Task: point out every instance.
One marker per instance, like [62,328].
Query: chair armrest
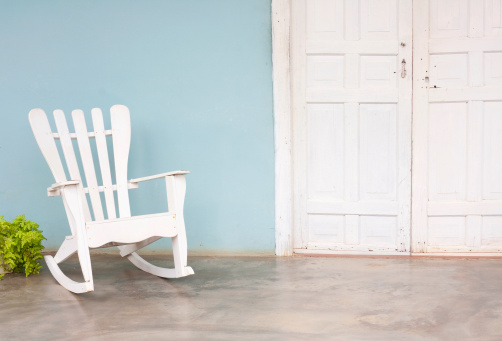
[158,176]
[54,190]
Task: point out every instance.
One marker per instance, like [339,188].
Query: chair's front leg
[176,189]
[73,202]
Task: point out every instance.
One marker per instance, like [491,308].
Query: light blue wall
[197,77]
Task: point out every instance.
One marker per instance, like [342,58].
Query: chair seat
[131,229]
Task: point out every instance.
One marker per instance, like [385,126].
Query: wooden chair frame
[129,233]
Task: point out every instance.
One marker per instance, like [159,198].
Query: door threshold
[327,253]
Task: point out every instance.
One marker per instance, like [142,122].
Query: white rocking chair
[128,233]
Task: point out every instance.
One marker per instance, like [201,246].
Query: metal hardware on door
[403,68]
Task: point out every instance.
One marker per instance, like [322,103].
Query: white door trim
[281,10]
[419,127]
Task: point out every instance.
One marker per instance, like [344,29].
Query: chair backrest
[121,138]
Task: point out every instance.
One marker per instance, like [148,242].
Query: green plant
[20,245]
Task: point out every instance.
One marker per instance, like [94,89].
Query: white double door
[367,90]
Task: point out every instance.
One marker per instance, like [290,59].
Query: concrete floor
[262,298]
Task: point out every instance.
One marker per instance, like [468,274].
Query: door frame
[281,14]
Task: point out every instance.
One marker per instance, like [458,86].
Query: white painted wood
[55,188]
[128,233]
[463,41]
[73,136]
[69,154]
[348,207]
[282,127]
[121,127]
[158,176]
[460,254]
[323,250]
[67,283]
[404,132]
[318,30]
[352,124]
[66,145]
[463,44]
[158,271]
[104,163]
[131,230]
[87,163]
[457,95]
[351,231]
[72,197]
[492,154]
[66,250]
[375,47]
[403,254]
[176,189]
[464,94]
[351,19]
[459,208]
[352,95]
[55,192]
[351,151]
[43,135]
[420,127]
[126,250]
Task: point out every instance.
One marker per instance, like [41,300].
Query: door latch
[403,68]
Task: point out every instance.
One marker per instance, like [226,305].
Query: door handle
[403,68]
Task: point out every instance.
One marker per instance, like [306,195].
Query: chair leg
[73,203]
[176,189]
[180,256]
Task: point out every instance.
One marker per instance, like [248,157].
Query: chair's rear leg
[180,256]
[176,189]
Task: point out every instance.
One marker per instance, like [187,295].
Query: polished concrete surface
[262,298]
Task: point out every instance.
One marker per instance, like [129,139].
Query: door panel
[351,99]
[457,89]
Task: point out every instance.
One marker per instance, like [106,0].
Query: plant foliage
[20,245]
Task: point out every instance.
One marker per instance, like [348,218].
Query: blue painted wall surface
[197,77]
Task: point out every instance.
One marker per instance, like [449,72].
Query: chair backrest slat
[43,135]
[87,163]
[104,163]
[121,137]
[69,154]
